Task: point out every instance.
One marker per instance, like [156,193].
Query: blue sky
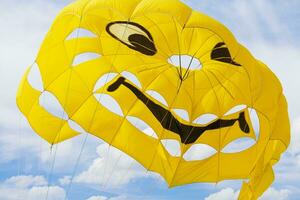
[269,28]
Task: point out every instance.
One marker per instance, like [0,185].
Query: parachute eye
[132,35]
[221,53]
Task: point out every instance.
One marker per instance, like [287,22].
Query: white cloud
[23,26]
[294,148]
[97,198]
[16,145]
[29,187]
[287,171]
[106,198]
[224,194]
[231,194]
[55,193]
[113,168]
[65,180]
[26,181]
[272,193]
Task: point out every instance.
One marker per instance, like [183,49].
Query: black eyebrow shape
[221,53]
[188,133]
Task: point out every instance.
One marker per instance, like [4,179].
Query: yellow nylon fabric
[215,88]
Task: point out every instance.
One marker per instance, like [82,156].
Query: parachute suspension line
[86,134]
[76,165]
[211,71]
[252,104]
[181,156]
[106,154]
[186,74]
[159,29]
[219,108]
[119,157]
[20,134]
[49,176]
[20,163]
[134,103]
[105,184]
[184,78]
[158,140]
[132,162]
[19,143]
[61,126]
[221,84]
[82,149]
[179,86]
[180,75]
[91,122]
[163,130]
[57,139]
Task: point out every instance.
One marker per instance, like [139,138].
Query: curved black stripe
[188,133]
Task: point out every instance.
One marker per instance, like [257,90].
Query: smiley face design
[169,86]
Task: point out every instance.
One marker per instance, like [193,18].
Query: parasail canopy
[167,85]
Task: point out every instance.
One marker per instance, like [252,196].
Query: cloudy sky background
[269,28]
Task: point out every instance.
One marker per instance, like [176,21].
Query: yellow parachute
[157,72]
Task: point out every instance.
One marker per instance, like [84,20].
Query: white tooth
[238,145]
[110,103]
[80,33]
[199,152]
[205,119]
[34,78]
[132,78]
[103,80]
[172,146]
[254,121]
[85,57]
[235,109]
[157,96]
[142,126]
[182,114]
[75,126]
[50,103]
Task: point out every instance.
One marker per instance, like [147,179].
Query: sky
[268,28]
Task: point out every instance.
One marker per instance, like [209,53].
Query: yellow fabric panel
[26,96]
[122,7]
[170,7]
[49,127]
[53,129]
[245,192]
[193,172]
[141,38]
[200,20]
[89,72]
[282,125]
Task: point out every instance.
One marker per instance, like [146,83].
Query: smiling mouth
[188,133]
